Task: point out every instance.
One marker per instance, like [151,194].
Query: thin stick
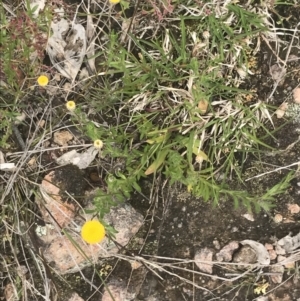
[275,170]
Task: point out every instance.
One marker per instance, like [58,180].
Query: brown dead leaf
[62,137]
[32,162]
[202,106]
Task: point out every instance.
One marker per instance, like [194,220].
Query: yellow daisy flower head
[43,80]
[71,105]
[114,1]
[92,232]
[98,143]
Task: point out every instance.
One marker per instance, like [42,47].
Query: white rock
[249,217]
[82,160]
[203,259]
[289,243]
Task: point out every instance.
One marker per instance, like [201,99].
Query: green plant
[166,81]
[22,44]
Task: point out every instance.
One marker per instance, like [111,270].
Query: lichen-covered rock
[61,205]
[64,252]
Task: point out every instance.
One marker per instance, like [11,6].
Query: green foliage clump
[182,109]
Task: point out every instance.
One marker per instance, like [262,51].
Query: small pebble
[234,229]
[296,94]
[217,244]
[278,218]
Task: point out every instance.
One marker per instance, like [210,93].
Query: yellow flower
[114,1]
[92,232]
[71,105]
[43,80]
[98,143]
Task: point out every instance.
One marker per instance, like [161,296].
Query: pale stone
[296,94]
[272,254]
[249,217]
[279,250]
[203,259]
[286,263]
[269,246]
[281,110]
[67,258]
[226,252]
[61,241]
[293,208]
[278,218]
